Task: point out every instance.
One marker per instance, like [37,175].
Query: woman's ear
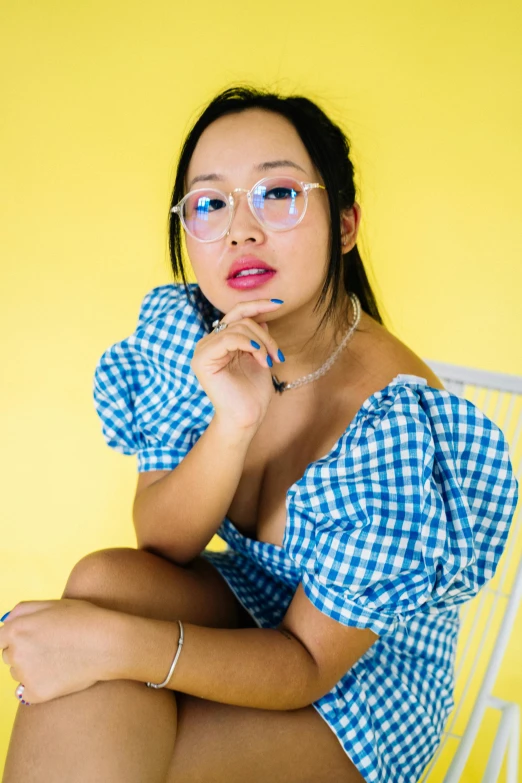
[350,220]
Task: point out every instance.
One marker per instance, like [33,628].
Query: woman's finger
[28,607]
[262,337]
[251,309]
[232,341]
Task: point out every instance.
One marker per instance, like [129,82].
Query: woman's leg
[120,730]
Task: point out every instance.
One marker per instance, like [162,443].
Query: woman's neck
[304,345]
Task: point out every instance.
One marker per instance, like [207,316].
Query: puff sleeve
[149,401]
[414,514]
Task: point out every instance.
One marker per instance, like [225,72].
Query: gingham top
[405,518]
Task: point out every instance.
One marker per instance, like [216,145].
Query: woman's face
[241,149]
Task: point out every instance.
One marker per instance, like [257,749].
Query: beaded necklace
[281,386]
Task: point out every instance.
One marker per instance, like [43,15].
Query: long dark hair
[329,150]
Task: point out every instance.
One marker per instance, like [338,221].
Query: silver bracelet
[174,662]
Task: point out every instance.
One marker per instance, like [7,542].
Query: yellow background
[96,97]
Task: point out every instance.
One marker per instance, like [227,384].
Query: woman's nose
[244,225]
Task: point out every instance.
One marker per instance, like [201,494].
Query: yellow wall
[96,98]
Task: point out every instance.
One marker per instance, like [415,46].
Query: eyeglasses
[278,203]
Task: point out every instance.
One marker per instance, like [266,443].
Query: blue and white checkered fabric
[405,518]
[149,400]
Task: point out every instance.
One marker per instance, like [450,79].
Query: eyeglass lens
[278,202]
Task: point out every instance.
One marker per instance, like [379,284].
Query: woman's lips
[250,281]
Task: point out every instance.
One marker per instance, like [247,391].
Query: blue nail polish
[269,361]
[256,345]
[281,355]
[277,301]
[5,615]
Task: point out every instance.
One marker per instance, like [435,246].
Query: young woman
[361,502]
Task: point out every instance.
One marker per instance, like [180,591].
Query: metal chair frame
[472,383]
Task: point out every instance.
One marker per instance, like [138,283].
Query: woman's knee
[138,582]
[98,573]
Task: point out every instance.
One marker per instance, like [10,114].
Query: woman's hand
[234,373]
[56,647]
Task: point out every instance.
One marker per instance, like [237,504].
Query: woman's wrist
[138,648]
[111,631]
[231,434]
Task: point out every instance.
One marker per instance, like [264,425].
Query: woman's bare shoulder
[391,356]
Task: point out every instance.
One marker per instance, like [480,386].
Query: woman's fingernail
[269,361]
[256,345]
[277,301]
[281,355]
[5,615]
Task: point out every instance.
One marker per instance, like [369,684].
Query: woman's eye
[216,203]
[281,193]
[205,204]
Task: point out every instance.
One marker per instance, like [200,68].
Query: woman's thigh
[138,582]
[214,742]
[222,743]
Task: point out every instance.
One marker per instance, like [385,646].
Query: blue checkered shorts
[403,520]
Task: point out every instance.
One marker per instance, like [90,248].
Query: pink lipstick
[249,272]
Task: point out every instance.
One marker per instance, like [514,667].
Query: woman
[267,403]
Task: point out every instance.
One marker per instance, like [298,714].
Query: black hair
[329,150]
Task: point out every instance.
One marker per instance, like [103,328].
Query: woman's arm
[285,668]
[249,667]
[63,646]
[60,647]
[177,515]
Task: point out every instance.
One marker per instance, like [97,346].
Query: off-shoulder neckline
[401,378]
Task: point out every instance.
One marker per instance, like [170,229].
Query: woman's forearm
[248,667]
[177,516]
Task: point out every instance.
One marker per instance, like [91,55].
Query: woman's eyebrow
[266,166]
[274,164]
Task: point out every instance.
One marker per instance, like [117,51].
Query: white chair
[487,620]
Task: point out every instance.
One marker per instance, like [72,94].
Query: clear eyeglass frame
[306,186]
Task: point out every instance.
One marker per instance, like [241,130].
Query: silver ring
[219,326]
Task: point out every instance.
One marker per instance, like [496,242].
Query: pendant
[279,386]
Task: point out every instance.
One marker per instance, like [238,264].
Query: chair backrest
[487,619]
